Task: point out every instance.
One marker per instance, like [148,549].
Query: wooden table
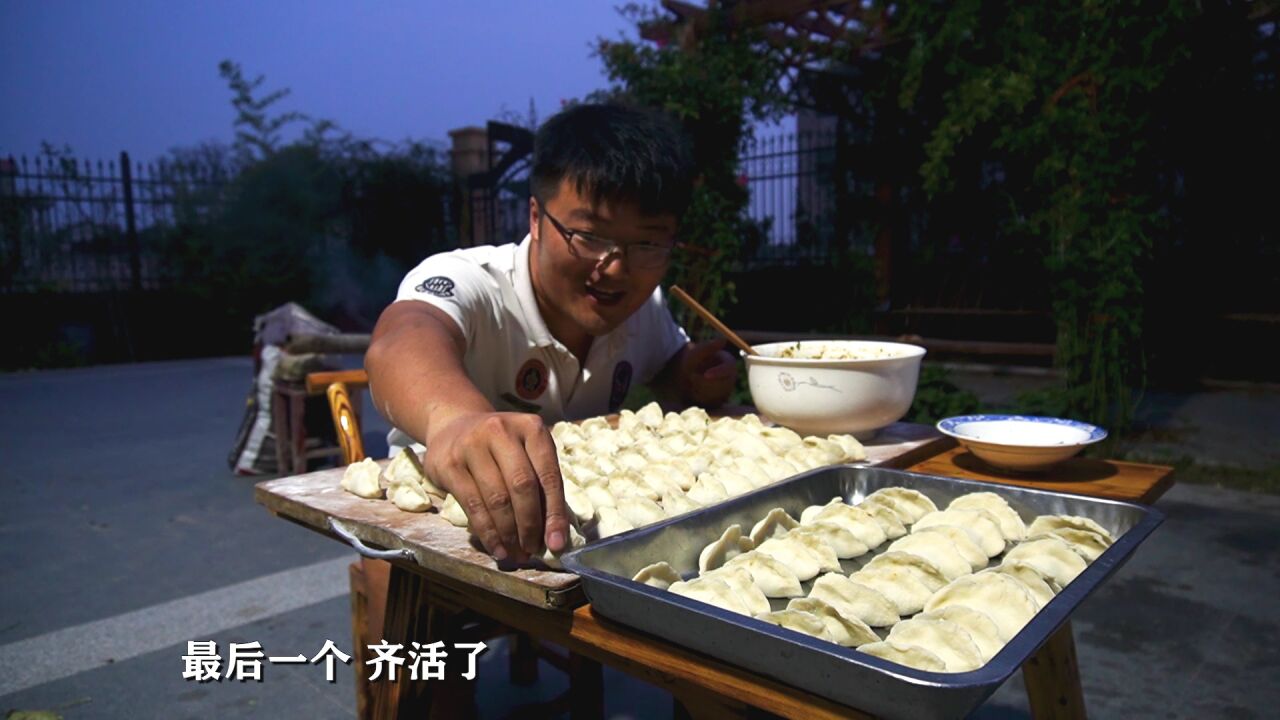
[707,687]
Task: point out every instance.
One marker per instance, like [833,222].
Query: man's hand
[502,468]
[707,373]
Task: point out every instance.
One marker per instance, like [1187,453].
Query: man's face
[580,296]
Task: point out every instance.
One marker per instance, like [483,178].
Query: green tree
[716,90]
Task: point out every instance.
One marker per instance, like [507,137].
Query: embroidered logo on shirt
[621,384]
[531,379]
[440,286]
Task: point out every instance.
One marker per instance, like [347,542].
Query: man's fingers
[495,497]
[463,487]
[724,367]
[542,453]
[524,489]
[701,353]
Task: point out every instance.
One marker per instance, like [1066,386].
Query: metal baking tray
[840,674]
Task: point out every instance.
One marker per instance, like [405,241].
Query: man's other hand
[707,373]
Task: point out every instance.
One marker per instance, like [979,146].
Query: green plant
[937,397]
[715,90]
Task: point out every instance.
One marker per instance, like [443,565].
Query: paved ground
[123,535]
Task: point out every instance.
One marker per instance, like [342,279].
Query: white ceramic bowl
[1022,443]
[824,396]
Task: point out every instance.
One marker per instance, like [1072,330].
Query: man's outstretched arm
[502,467]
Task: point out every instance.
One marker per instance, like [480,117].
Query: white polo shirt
[511,356]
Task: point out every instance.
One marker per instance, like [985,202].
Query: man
[485,347]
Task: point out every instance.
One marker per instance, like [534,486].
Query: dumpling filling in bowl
[834,386]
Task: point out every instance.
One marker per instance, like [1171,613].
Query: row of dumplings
[932,589]
[654,466]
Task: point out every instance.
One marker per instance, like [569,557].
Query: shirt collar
[522,281]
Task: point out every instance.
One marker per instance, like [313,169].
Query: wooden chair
[369,582]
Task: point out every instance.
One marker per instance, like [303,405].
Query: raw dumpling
[749,446]
[772,577]
[1052,556]
[855,520]
[950,642]
[777,522]
[361,478]
[408,464]
[805,458]
[742,583]
[408,496]
[924,570]
[567,434]
[963,540]
[712,591]
[707,490]
[896,583]
[812,512]
[979,522]
[734,483]
[910,505]
[628,483]
[584,511]
[777,468]
[780,439]
[847,630]
[407,487]
[853,450]
[640,511]
[695,418]
[1030,578]
[730,544]
[981,628]
[452,511]
[888,519]
[841,541]
[611,522]
[795,554]
[632,460]
[600,497]
[662,478]
[909,655]
[1004,599]
[1049,523]
[677,503]
[752,471]
[937,549]
[672,424]
[650,415]
[660,575]
[830,453]
[801,622]
[1011,525]
[852,599]
[1086,542]
[576,540]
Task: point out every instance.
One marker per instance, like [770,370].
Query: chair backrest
[338,386]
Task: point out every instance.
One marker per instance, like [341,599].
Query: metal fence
[70,225]
[792,181]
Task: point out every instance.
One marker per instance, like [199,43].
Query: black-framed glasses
[638,255]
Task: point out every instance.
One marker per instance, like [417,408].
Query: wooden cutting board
[314,498]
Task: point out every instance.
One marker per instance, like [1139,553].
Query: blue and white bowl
[1021,442]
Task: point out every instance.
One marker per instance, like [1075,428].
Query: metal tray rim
[1014,653]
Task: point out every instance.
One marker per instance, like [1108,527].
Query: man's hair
[614,153]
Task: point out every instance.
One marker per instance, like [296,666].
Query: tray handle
[345,533]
